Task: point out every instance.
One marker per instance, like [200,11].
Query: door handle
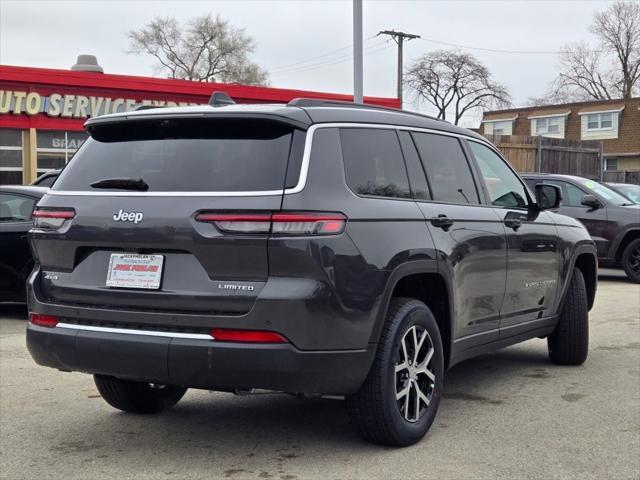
[442,221]
[513,223]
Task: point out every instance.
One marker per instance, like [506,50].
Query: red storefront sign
[50,99]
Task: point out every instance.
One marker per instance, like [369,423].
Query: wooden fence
[622,177]
[551,155]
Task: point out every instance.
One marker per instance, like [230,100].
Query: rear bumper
[199,363]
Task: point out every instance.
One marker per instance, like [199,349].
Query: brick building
[616,123]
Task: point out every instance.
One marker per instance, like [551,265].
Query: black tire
[569,343]
[137,397]
[631,260]
[374,409]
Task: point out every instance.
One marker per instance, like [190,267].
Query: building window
[503,127]
[56,148]
[548,125]
[10,156]
[611,164]
[600,121]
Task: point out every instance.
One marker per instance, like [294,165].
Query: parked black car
[612,219]
[629,190]
[16,262]
[47,178]
[312,247]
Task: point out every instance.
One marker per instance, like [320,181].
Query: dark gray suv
[310,248]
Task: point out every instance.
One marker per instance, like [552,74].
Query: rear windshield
[184,155]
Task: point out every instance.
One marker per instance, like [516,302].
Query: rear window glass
[373,162]
[184,155]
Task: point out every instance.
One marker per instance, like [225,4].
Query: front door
[533,259]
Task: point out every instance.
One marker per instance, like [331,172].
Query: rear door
[203,178]
[532,251]
[469,237]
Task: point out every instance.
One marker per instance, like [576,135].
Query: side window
[417,178]
[15,208]
[505,189]
[373,162]
[571,195]
[447,168]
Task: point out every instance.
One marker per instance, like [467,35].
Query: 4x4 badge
[122,216]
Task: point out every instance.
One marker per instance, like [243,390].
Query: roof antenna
[220,99]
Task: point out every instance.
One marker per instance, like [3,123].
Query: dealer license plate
[128,270]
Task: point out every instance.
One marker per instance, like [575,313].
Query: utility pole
[399,37]
[357,52]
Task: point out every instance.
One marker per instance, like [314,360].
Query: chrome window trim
[129,331]
[304,168]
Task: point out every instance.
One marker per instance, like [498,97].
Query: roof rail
[318,102]
[147,107]
[220,99]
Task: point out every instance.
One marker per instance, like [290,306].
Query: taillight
[52,219]
[43,320]
[238,222]
[246,336]
[277,223]
[288,223]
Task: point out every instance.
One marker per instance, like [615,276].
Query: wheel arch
[585,257]
[588,265]
[629,236]
[420,280]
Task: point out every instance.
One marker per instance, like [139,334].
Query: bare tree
[206,49]
[588,73]
[455,83]
[618,29]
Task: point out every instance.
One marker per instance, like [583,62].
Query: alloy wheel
[634,260]
[415,381]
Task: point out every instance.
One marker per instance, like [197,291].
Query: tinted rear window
[186,155]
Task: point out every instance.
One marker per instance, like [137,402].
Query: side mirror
[591,202]
[548,196]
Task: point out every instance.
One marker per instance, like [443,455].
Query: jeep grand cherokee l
[311,247]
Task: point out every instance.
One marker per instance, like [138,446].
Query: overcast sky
[289,33]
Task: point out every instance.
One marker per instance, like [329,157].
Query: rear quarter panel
[355,268]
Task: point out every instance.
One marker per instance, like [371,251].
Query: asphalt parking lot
[510,415]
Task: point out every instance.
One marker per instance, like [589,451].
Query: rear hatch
[149,214]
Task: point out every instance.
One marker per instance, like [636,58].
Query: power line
[328,64]
[341,58]
[346,55]
[494,50]
[347,47]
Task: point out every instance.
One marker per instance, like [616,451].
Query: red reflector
[246,336]
[43,320]
[54,213]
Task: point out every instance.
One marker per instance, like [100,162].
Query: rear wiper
[124,183]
